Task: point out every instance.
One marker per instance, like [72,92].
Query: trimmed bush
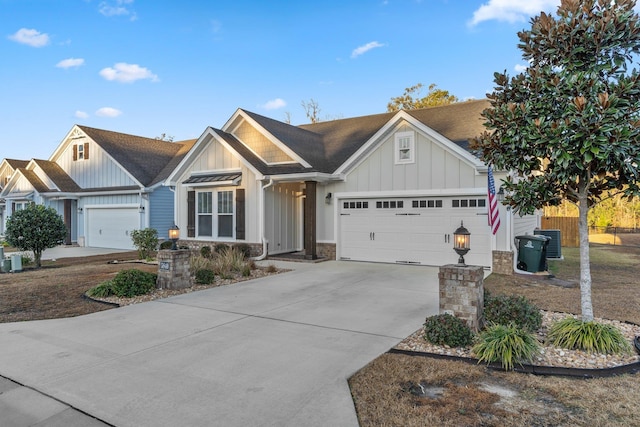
[145,241]
[506,309]
[205,251]
[221,248]
[591,336]
[167,244]
[445,329]
[131,283]
[205,276]
[507,344]
[244,249]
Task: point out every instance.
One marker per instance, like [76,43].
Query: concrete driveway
[275,351]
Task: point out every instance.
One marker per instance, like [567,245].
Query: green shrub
[103,290]
[244,249]
[130,283]
[507,344]
[445,329]
[246,270]
[145,241]
[506,309]
[198,262]
[205,276]
[205,251]
[221,248]
[591,336]
[26,259]
[167,244]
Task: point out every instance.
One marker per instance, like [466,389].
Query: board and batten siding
[434,168]
[98,171]
[283,217]
[215,158]
[161,211]
[525,225]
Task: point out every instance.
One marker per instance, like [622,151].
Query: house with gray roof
[389,187]
[7,168]
[104,184]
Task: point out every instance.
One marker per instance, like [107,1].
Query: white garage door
[415,230]
[111,227]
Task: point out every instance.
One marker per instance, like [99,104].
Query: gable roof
[33,179]
[60,178]
[15,164]
[146,159]
[327,145]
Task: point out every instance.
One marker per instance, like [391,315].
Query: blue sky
[149,67]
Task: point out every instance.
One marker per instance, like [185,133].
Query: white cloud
[30,37]
[365,48]
[81,114]
[70,63]
[511,10]
[520,68]
[117,8]
[108,112]
[127,73]
[274,104]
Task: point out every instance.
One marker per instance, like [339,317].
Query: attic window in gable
[404,147]
[81,151]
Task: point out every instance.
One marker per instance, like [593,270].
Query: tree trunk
[585,266]
[37,258]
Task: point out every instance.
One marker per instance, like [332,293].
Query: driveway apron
[275,351]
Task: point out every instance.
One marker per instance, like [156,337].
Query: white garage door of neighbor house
[111,227]
[413,230]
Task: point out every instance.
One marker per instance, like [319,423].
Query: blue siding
[161,203]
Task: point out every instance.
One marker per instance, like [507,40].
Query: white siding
[283,217]
[216,158]
[523,225]
[98,171]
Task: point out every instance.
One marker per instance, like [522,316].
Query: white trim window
[404,147]
[218,222]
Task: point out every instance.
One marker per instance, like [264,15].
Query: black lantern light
[461,240]
[174,235]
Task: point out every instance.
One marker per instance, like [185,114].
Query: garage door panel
[111,227]
[412,235]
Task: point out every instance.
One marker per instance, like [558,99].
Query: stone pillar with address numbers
[462,293]
[173,269]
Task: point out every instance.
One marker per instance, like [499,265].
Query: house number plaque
[165,265]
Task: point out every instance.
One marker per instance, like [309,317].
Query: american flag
[494,213]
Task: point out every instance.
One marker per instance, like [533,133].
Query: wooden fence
[568,227]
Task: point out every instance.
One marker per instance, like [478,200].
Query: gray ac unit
[554,247]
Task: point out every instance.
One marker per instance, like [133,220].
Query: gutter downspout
[265,242]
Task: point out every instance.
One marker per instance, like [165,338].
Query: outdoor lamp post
[174,235]
[461,239]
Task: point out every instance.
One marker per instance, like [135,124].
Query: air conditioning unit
[554,247]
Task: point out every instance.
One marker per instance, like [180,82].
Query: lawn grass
[472,395]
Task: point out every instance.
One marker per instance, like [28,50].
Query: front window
[219,219]
[405,147]
[225,214]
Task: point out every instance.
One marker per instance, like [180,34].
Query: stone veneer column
[173,269]
[502,262]
[462,293]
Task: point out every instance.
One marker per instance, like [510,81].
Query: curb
[112,304]
[631,368]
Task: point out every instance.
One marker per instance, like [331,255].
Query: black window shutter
[191,214]
[240,214]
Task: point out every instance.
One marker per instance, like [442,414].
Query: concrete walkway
[275,351]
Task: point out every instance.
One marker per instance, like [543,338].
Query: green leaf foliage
[205,276]
[505,309]
[131,283]
[35,228]
[575,334]
[145,241]
[103,290]
[445,329]
[507,344]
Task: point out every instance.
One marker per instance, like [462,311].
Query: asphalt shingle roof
[145,158]
[61,179]
[327,145]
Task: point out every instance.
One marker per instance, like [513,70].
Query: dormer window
[405,147]
[81,151]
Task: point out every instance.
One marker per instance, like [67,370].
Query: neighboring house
[7,168]
[104,184]
[390,187]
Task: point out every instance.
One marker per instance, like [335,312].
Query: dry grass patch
[386,392]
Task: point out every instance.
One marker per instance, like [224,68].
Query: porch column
[310,221]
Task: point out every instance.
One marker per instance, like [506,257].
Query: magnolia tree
[35,228]
[568,127]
